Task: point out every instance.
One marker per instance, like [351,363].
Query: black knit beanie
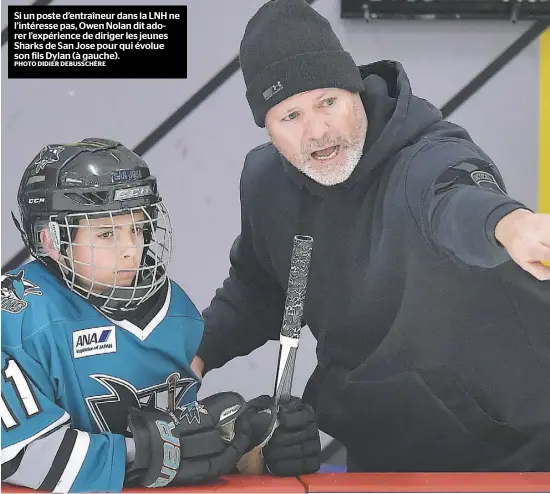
[289,48]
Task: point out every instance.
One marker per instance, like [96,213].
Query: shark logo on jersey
[15,287]
[192,411]
[48,154]
[110,410]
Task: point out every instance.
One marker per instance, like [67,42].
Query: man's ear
[47,244]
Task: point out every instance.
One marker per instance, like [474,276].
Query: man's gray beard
[335,173]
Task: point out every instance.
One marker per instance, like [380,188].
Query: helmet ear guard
[32,240]
[55,234]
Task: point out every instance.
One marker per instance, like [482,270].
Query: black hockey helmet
[94,178]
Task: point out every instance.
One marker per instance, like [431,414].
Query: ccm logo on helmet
[37,200]
[123,194]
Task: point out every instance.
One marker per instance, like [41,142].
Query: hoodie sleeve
[457,196]
[247,310]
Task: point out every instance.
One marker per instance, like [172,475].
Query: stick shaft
[285,368]
[292,318]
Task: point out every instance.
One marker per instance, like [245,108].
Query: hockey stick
[292,319]
[172,382]
[252,463]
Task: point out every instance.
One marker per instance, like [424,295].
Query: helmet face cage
[79,193]
[150,230]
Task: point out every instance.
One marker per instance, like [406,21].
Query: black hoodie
[433,346]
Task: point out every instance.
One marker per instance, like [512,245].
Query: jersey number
[13,374]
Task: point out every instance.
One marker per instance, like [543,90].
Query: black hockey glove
[192,445]
[295,446]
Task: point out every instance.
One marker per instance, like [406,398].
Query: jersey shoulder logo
[110,411]
[15,287]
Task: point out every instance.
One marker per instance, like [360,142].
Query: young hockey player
[97,389]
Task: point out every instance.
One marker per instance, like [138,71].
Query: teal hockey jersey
[69,373]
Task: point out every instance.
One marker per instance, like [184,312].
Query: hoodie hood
[396,118]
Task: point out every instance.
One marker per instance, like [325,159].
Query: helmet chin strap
[23,234]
